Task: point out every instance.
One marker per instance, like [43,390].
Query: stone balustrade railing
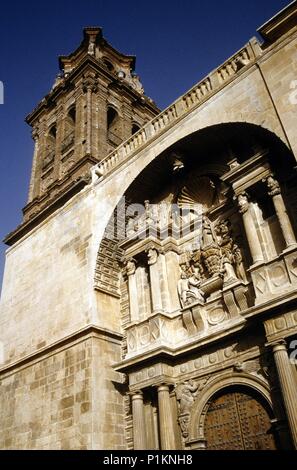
[167,118]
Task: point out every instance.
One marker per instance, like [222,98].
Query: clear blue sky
[176,44]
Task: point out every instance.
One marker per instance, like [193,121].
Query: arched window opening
[135,127]
[113,126]
[50,146]
[69,132]
[72,114]
[108,65]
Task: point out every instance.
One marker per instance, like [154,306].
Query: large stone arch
[126,175]
[219,383]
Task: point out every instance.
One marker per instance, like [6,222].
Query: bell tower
[96,102]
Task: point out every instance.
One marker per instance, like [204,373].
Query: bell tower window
[135,127]
[50,147]
[69,135]
[113,126]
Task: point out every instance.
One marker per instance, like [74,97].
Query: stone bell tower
[96,102]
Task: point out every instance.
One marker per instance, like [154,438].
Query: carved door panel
[238,421]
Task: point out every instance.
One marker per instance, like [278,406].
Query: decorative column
[139,434]
[33,191]
[155,283]
[281,211]
[60,126]
[132,286]
[288,385]
[164,284]
[89,87]
[165,419]
[250,228]
[173,271]
[79,120]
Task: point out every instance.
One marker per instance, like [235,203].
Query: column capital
[272,185]
[89,84]
[137,395]
[163,388]
[152,255]
[278,345]
[243,202]
[130,266]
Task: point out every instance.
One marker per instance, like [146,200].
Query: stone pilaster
[139,428]
[173,270]
[165,419]
[165,294]
[287,384]
[250,229]
[133,294]
[155,280]
[90,86]
[33,180]
[60,123]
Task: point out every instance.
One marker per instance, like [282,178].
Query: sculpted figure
[130,267]
[207,232]
[188,289]
[152,256]
[185,394]
[243,202]
[239,269]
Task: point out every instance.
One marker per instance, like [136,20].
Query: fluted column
[288,385]
[155,280]
[250,228]
[165,419]
[281,211]
[139,428]
[164,283]
[132,286]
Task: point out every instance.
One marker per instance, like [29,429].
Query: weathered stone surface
[87,320]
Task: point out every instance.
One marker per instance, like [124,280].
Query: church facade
[149,298]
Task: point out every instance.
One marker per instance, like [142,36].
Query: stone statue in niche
[239,269]
[223,230]
[188,289]
[131,226]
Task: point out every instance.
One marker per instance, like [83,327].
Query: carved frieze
[281,326]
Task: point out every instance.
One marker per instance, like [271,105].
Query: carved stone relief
[186,394]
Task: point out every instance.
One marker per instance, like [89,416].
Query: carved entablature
[281,326]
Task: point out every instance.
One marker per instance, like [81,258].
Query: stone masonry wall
[63,400]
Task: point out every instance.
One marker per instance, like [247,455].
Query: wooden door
[237,420]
